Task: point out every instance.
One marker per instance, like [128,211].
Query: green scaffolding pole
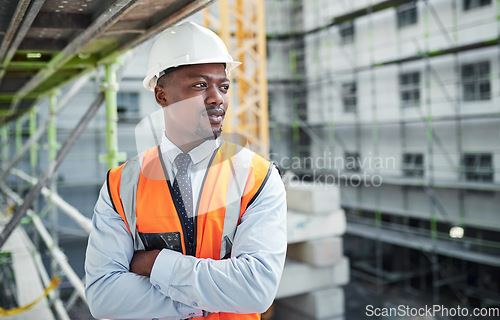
[110,88]
[53,146]
[34,146]
[19,134]
[5,143]
[18,143]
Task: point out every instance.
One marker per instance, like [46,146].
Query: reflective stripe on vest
[128,195]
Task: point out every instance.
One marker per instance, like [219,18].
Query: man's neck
[185,145]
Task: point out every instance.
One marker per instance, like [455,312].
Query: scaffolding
[341,108]
[318,109]
[47,45]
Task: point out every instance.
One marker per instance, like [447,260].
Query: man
[196,226]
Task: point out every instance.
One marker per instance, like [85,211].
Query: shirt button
[157,286]
[195,304]
[154,319]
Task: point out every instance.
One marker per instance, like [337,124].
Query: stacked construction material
[315,268]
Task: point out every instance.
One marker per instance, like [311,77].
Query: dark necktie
[182,184]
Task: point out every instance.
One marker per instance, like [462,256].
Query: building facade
[398,103]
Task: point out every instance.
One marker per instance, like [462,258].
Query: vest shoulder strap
[122,187]
[257,177]
[249,173]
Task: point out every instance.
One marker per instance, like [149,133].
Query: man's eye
[225,87]
[200,85]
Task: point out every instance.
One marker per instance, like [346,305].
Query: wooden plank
[327,303]
[300,278]
[318,253]
[37,45]
[61,20]
[303,227]
[313,198]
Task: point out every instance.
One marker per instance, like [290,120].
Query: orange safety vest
[142,194]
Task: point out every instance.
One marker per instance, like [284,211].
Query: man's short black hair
[166,75]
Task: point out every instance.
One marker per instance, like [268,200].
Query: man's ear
[160,96]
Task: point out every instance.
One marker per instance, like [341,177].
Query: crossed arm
[122,284]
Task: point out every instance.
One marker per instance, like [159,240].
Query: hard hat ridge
[185,44]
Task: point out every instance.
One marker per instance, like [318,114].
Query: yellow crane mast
[241,24]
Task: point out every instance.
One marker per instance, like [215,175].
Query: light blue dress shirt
[183,286]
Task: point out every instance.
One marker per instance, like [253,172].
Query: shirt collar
[197,154]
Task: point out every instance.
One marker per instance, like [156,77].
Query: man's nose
[214,96]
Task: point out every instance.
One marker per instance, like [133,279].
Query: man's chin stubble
[205,135]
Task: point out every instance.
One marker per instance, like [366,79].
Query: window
[351,161]
[478,167]
[413,165]
[471,4]
[409,88]
[476,81]
[407,14]
[347,32]
[128,105]
[349,99]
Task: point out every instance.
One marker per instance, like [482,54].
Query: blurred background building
[397,102]
[393,105]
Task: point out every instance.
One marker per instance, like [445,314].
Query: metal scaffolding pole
[18,143]
[18,134]
[58,304]
[458,106]
[34,145]
[52,167]
[375,140]
[5,143]
[84,222]
[25,14]
[52,153]
[56,253]
[110,88]
[33,150]
[41,130]
[430,151]
[53,146]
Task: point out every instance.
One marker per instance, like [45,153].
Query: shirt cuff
[162,271]
[161,278]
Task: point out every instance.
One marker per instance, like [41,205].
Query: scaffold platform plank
[418,242]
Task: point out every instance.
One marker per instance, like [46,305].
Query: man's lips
[216,115]
[215,119]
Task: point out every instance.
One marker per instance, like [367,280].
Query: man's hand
[142,262]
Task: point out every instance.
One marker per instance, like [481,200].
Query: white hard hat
[185,44]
